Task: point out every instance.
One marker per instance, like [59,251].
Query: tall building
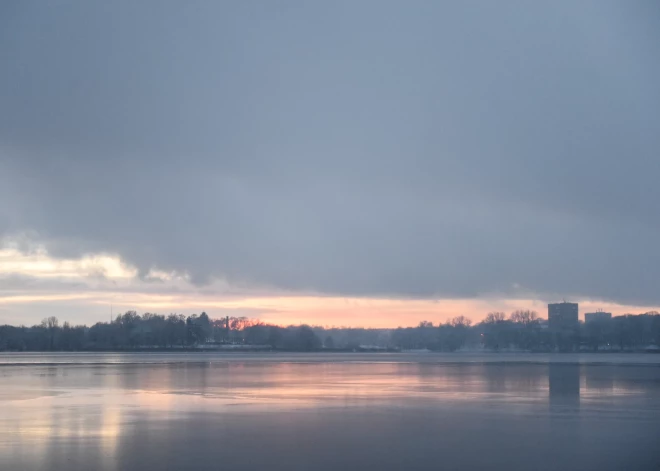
[597,316]
[563,316]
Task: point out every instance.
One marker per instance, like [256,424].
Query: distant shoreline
[249,349]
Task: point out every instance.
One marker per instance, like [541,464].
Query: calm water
[329,412]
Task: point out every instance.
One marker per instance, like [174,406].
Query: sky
[366,162]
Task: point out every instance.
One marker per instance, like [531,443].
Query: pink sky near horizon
[288,310]
[391,313]
[91,288]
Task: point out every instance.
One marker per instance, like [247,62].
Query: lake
[329,411]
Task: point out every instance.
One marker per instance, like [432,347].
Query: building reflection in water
[564,386]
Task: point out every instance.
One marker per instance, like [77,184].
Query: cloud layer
[353,149]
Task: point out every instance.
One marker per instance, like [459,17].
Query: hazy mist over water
[328,412]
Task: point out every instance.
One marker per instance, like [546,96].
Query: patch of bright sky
[40,264]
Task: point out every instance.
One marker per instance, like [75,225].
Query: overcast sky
[421,150]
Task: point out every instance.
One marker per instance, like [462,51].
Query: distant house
[590,317]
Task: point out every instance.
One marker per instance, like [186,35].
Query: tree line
[131,331]
[521,330]
[524,330]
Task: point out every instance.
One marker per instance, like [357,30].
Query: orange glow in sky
[88,290]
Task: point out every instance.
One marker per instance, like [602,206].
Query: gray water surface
[329,411]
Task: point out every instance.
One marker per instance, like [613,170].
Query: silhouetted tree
[495,317]
[524,317]
[51,324]
[175,329]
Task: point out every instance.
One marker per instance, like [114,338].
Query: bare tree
[461,321]
[51,324]
[524,316]
[495,317]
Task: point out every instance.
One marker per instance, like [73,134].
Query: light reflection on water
[127,415]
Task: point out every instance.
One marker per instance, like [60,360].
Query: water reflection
[564,387]
[328,415]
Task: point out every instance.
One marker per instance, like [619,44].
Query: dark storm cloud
[426,149]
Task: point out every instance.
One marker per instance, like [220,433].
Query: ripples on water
[336,411]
